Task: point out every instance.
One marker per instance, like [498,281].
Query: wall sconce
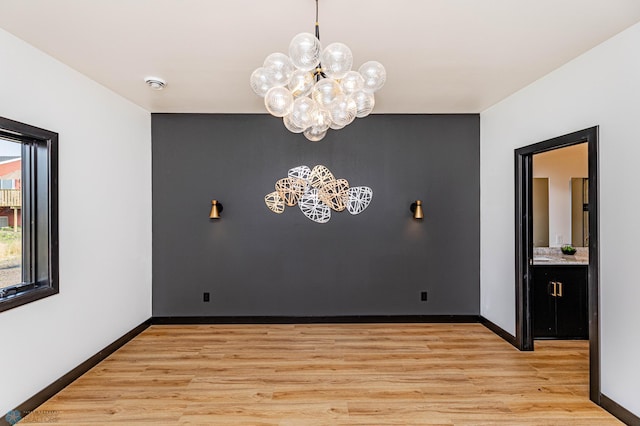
[216,209]
[416,209]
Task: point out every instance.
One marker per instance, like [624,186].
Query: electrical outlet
[205,296]
[423,296]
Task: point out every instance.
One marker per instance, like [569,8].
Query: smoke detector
[155,83]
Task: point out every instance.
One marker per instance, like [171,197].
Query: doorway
[524,236]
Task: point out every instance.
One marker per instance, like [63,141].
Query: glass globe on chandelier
[315,90]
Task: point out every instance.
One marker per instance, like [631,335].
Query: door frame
[524,246]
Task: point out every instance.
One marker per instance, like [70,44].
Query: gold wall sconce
[216,209]
[416,209]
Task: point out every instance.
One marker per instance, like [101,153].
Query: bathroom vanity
[560,298]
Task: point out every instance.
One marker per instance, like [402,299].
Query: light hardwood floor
[336,374]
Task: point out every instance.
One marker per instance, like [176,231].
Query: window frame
[40,258]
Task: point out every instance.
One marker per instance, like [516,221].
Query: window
[29,208]
[7,183]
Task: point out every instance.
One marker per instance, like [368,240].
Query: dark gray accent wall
[257,263]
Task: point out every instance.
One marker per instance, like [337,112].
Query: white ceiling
[441,56]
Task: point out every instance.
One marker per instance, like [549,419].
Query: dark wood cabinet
[560,302]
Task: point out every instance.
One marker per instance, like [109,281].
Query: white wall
[105,220]
[601,87]
[560,166]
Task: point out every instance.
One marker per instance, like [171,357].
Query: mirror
[560,197]
[580,212]
[541,212]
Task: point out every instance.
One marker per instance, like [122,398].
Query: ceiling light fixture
[155,83]
[315,90]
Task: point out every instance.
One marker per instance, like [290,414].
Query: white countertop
[554,256]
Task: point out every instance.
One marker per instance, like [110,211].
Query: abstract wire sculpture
[313,208]
[317,192]
[290,189]
[359,199]
[274,202]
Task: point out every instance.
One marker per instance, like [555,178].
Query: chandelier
[315,90]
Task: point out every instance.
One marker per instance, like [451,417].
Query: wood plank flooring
[330,374]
